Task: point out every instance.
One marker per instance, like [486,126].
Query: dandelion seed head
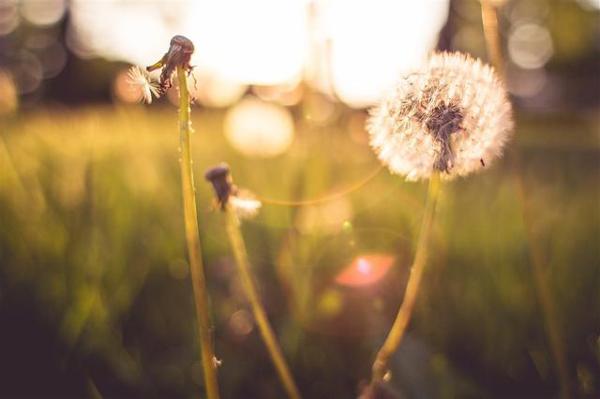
[140,81]
[244,205]
[451,116]
[242,202]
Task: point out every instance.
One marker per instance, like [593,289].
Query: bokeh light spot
[9,17]
[365,270]
[259,129]
[285,94]
[241,322]
[213,90]
[330,303]
[530,46]
[46,12]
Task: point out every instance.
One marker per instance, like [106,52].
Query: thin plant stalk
[542,289]
[268,336]
[489,19]
[489,16]
[394,338]
[209,363]
[326,198]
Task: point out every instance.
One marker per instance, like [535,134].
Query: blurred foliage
[95,298]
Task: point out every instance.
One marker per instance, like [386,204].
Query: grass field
[95,299]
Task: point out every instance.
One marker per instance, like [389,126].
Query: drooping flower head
[179,54]
[452,116]
[220,177]
[241,202]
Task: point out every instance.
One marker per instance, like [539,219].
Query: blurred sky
[356,47]
[270,42]
[351,50]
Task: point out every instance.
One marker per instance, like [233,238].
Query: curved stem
[268,336]
[193,241]
[380,365]
[326,198]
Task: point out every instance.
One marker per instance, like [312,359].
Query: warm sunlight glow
[365,270]
[256,42]
[211,89]
[358,47]
[373,42]
[259,129]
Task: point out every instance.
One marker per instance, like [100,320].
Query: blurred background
[95,297]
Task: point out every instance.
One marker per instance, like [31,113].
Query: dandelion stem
[193,241]
[268,336]
[380,365]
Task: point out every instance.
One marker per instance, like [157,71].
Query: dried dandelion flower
[179,54]
[140,81]
[222,183]
[242,202]
[452,116]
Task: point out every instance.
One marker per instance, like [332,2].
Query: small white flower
[245,206]
[140,81]
[452,116]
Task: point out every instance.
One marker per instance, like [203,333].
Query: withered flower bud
[222,182]
[180,53]
[242,202]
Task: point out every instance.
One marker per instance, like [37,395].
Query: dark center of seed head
[221,180]
[444,120]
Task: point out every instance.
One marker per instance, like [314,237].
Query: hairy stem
[193,241]
[380,365]
[268,336]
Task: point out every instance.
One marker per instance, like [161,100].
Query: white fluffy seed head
[244,205]
[140,81]
[451,116]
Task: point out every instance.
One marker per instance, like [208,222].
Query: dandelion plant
[449,119]
[177,60]
[236,206]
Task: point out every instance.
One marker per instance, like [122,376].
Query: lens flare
[365,270]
